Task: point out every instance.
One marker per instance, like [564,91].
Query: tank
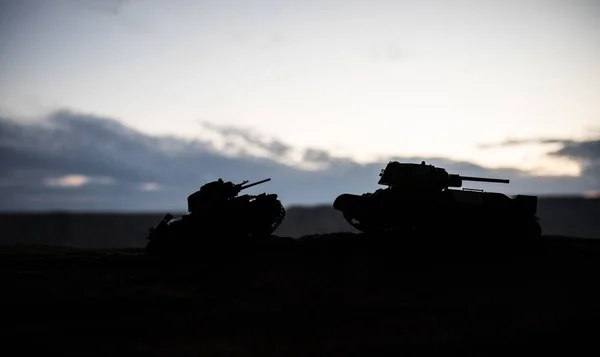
[422,198]
[217,212]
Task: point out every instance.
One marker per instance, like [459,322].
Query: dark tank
[420,199]
[217,213]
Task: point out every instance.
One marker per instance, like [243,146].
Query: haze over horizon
[317,95]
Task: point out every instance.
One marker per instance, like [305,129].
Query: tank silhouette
[218,212]
[420,199]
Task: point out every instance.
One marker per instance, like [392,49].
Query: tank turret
[217,193]
[424,177]
[422,198]
[217,212]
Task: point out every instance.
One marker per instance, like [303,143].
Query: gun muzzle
[254,184]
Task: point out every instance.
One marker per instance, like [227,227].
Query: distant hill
[574,217]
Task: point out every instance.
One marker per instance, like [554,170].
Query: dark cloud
[316,155]
[324,159]
[274,147]
[585,152]
[84,162]
[582,150]
[515,142]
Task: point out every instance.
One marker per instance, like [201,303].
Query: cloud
[516,142]
[77,161]
[273,147]
[585,152]
[581,150]
[76,181]
[316,155]
[150,186]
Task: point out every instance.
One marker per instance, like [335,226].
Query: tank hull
[448,211]
[243,218]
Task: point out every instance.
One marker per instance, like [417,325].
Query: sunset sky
[359,79]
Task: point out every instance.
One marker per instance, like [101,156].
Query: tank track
[279,218]
[529,227]
[276,215]
[158,236]
[363,226]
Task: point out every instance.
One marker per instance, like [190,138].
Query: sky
[508,87]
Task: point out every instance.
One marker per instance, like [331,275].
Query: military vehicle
[218,212]
[419,199]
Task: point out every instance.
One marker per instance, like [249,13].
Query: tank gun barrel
[483,179]
[243,187]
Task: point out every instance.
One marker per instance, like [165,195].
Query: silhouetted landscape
[431,177]
[303,291]
[573,216]
[341,294]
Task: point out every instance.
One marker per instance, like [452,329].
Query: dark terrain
[335,294]
[299,293]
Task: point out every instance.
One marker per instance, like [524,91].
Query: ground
[336,294]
